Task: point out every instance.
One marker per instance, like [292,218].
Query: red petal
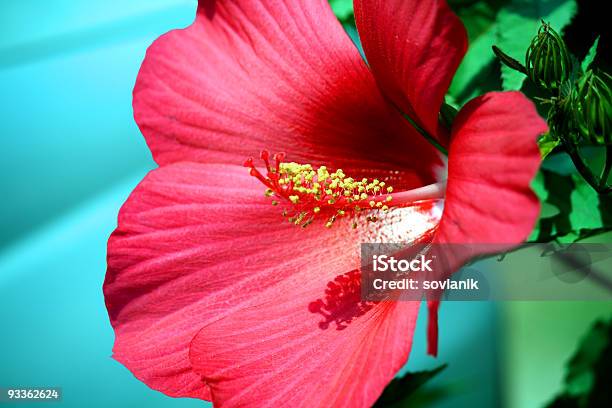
[414,48]
[493,158]
[248,75]
[198,245]
[276,352]
[432,327]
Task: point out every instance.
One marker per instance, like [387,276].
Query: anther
[309,192]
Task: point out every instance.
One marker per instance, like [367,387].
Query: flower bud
[547,59]
[592,107]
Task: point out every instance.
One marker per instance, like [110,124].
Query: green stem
[509,61]
[605,173]
[422,131]
[581,166]
[426,135]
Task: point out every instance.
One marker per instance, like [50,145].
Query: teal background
[71,153]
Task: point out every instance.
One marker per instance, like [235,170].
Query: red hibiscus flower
[212,293]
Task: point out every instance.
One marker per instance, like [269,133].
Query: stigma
[307,193]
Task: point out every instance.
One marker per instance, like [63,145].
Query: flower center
[308,192]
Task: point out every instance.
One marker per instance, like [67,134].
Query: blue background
[71,153]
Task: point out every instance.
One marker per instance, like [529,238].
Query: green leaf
[518,23]
[571,209]
[547,143]
[585,203]
[588,60]
[399,390]
[579,377]
[476,73]
[589,371]
[342,8]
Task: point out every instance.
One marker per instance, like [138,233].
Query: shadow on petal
[342,301]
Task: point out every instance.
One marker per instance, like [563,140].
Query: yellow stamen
[313,192]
